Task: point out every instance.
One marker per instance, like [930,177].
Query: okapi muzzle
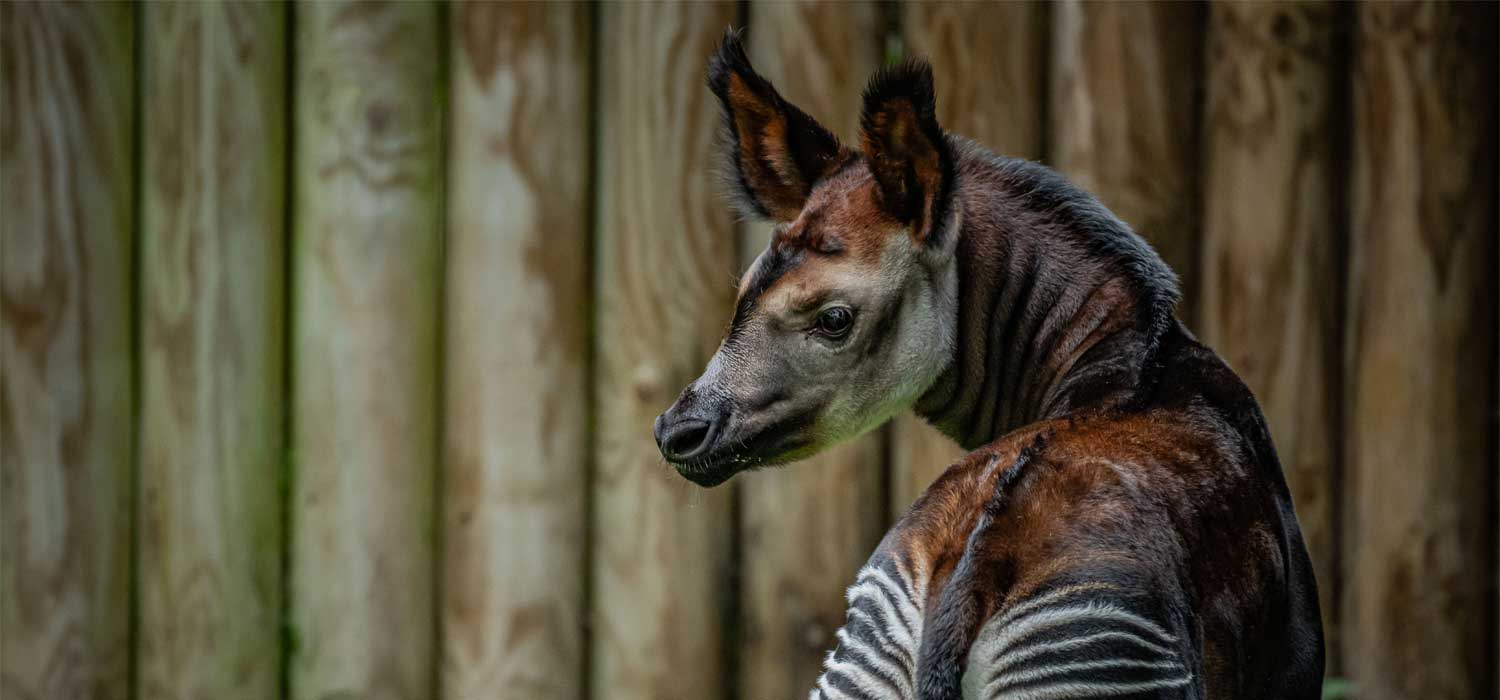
[849,313]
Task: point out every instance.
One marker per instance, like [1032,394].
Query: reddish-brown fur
[1174,475]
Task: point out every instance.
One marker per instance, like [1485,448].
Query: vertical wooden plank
[65,416]
[1422,291]
[1271,242]
[211,356]
[518,278]
[1125,110]
[808,527]
[987,67]
[666,248]
[366,265]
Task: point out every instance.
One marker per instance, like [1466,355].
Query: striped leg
[877,647]
[1077,641]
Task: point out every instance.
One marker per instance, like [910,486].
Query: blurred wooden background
[333,332]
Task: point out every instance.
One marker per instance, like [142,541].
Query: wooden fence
[333,332]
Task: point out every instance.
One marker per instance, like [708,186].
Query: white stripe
[1048,598]
[1056,617]
[1082,666]
[866,682]
[887,669]
[1026,652]
[888,645]
[878,659]
[908,611]
[874,591]
[829,692]
[1072,691]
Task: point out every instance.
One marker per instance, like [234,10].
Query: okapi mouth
[716,468]
[733,446]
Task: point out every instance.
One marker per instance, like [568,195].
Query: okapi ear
[775,152]
[906,149]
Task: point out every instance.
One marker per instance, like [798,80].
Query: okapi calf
[1121,526]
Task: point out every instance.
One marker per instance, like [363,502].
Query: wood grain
[1422,277]
[1126,82]
[212,346]
[661,546]
[367,232]
[987,61]
[807,527]
[517,438]
[1271,240]
[987,68]
[65,393]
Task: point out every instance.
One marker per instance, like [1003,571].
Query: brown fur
[1170,490]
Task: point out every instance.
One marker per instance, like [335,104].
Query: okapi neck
[1054,316]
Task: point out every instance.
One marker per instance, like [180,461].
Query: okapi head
[849,314]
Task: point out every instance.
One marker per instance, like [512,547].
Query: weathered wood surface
[517,440]
[666,249]
[808,527]
[367,235]
[987,61]
[987,64]
[211,443]
[66,181]
[1272,243]
[1420,459]
[1126,88]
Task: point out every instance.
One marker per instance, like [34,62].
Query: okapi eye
[836,321]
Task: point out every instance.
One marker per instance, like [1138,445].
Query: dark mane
[1077,213]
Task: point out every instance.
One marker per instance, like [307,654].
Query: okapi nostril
[685,440]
